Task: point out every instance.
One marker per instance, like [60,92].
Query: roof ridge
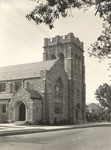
[54,64]
[26,63]
[36,94]
[28,70]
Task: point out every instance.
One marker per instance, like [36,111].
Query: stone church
[49,91]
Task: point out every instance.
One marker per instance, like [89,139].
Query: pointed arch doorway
[22,112]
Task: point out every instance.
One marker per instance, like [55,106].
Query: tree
[50,10]
[102,47]
[103,95]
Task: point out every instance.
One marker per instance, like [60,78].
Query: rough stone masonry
[47,92]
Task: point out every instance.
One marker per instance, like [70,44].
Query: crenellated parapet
[61,40]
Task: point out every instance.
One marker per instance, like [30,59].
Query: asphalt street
[97,138]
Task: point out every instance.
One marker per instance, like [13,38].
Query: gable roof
[34,94]
[23,71]
[93,106]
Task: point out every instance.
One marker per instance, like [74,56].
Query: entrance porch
[20,111]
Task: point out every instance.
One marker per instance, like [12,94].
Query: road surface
[97,138]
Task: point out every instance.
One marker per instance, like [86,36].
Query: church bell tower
[70,50]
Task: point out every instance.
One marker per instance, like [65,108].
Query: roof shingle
[5,96]
[93,106]
[22,71]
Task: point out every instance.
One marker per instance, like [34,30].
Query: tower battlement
[61,40]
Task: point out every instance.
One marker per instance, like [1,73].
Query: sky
[21,41]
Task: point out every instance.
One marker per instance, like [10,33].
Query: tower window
[58,108]
[76,114]
[79,65]
[59,97]
[61,56]
[76,63]
[58,90]
[53,56]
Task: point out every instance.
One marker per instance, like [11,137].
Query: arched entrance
[61,57]
[22,112]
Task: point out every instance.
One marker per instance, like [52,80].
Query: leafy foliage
[50,10]
[102,47]
[103,95]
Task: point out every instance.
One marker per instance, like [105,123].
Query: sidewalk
[14,129]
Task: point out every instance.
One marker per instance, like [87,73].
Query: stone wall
[72,78]
[56,72]
[3,116]
[22,96]
[72,49]
[34,84]
[37,111]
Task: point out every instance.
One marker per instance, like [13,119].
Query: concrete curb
[23,131]
[29,131]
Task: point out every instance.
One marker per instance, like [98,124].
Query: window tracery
[58,97]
